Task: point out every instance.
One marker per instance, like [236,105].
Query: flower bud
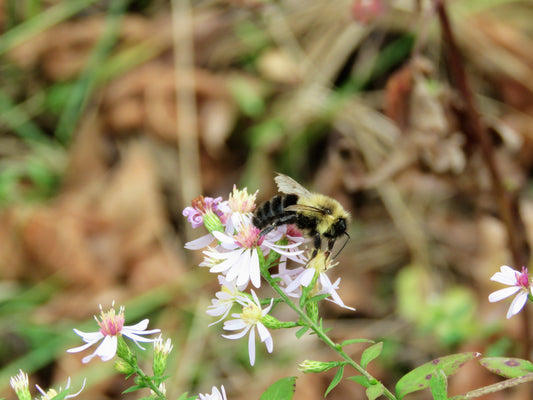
[308,366]
[20,384]
[271,322]
[212,222]
[123,351]
[123,367]
[161,352]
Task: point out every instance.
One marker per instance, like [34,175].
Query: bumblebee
[316,215]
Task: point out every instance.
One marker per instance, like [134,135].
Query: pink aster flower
[202,207]
[519,284]
[240,201]
[238,254]
[248,321]
[111,326]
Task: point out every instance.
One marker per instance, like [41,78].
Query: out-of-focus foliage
[115,114]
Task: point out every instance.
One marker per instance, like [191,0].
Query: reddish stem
[477,133]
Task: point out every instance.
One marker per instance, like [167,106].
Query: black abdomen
[274,209]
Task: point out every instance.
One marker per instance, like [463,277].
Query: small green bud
[20,384]
[308,366]
[123,367]
[161,352]
[271,322]
[212,222]
[123,351]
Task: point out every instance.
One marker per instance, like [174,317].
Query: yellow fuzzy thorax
[325,221]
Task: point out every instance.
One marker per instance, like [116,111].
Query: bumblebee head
[339,227]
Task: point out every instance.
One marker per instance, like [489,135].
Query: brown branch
[476,132]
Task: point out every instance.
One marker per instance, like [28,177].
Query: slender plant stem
[321,334]
[148,382]
[477,132]
[494,387]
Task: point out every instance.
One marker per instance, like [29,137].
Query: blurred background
[114,115]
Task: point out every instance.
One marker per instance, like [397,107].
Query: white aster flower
[51,393]
[249,320]
[238,254]
[225,298]
[318,265]
[215,394]
[519,284]
[111,326]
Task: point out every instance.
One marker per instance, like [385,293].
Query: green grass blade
[41,22]
[87,80]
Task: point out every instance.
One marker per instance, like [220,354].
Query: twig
[477,133]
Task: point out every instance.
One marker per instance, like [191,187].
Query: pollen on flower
[523,278]
[248,237]
[241,201]
[111,323]
[321,262]
[251,314]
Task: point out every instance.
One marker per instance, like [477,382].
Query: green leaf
[353,341]
[374,391]
[507,367]
[419,378]
[300,332]
[133,388]
[360,379]
[371,353]
[280,390]
[336,379]
[438,385]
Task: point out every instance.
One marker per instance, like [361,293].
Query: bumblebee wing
[288,185]
[305,208]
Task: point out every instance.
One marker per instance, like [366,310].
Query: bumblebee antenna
[344,245]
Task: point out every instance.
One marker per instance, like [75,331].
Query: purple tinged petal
[517,304]
[251,347]
[139,326]
[200,243]
[89,336]
[107,349]
[234,324]
[265,336]
[255,273]
[506,276]
[80,348]
[503,293]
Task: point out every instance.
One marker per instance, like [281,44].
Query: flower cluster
[519,284]
[111,328]
[20,384]
[237,250]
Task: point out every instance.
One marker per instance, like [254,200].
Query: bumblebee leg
[317,243]
[331,242]
[287,219]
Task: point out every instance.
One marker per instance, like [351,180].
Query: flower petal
[200,243]
[251,346]
[503,293]
[107,349]
[91,337]
[507,276]
[518,303]
[255,273]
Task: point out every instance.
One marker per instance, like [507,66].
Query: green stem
[305,320]
[148,382]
